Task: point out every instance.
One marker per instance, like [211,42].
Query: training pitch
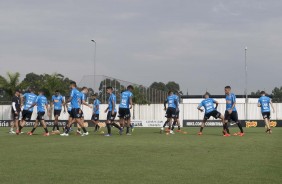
[145,157]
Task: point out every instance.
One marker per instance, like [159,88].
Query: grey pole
[94,65]
[246,83]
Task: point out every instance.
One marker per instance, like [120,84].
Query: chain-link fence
[142,94]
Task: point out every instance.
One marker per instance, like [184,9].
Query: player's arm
[165,102]
[64,105]
[84,103]
[51,104]
[47,108]
[114,106]
[130,102]
[199,108]
[272,106]
[216,104]
[259,105]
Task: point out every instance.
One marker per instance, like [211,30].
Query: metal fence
[146,94]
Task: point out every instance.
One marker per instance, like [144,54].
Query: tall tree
[277,94]
[173,86]
[159,86]
[10,84]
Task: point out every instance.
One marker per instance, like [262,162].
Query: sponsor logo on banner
[147,123]
[273,123]
[251,124]
[196,123]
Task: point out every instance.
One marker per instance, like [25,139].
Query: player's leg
[34,127]
[202,126]
[266,117]
[81,123]
[45,127]
[226,131]
[113,116]
[234,117]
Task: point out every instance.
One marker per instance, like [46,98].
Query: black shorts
[231,117]
[170,112]
[95,117]
[69,112]
[124,113]
[213,113]
[57,112]
[110,116]
[15,116]
[76,113]
[26,115]
[40,116]
[266,115]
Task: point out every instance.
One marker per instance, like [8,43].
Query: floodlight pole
[94,65]
[246,84]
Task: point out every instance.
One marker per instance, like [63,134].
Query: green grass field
[145,157]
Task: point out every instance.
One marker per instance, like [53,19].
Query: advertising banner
[245,123]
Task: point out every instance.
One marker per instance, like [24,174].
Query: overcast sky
[199,44]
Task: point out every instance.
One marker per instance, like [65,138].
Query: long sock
[127,130]
[201,129]
[178,127]
[46,130]
[58,127]
[240,127]
[96,127]
[115,125]
[67,129]
[84,129]
[33,129]
[54,127]
[165,123]
[172,127]
[227,129]
[109,128]
[20,128]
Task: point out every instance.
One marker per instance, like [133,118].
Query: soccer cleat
[171,132]
[17,132]
[84,134]
[46,134]
[12,132]
[29,133]
[226,135]
[120,132]
[241,134]
[200,133]
[107,135]
[128,134]
[64,134]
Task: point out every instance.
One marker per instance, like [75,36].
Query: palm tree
[10,84]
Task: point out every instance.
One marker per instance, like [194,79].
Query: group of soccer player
[74,105]
[78,98]
[210,108]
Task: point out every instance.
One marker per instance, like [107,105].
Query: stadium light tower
[94,65]
[246,83]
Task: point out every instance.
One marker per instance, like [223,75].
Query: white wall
[155,112]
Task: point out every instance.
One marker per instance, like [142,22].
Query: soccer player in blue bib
[210,110]
[96,112]
[42,103]
[76,113]
[111,112]
[83,98]
[29,99]
[231,112]
[57,102]
[173,104]
[124,108]
[264,103]
[176,118]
